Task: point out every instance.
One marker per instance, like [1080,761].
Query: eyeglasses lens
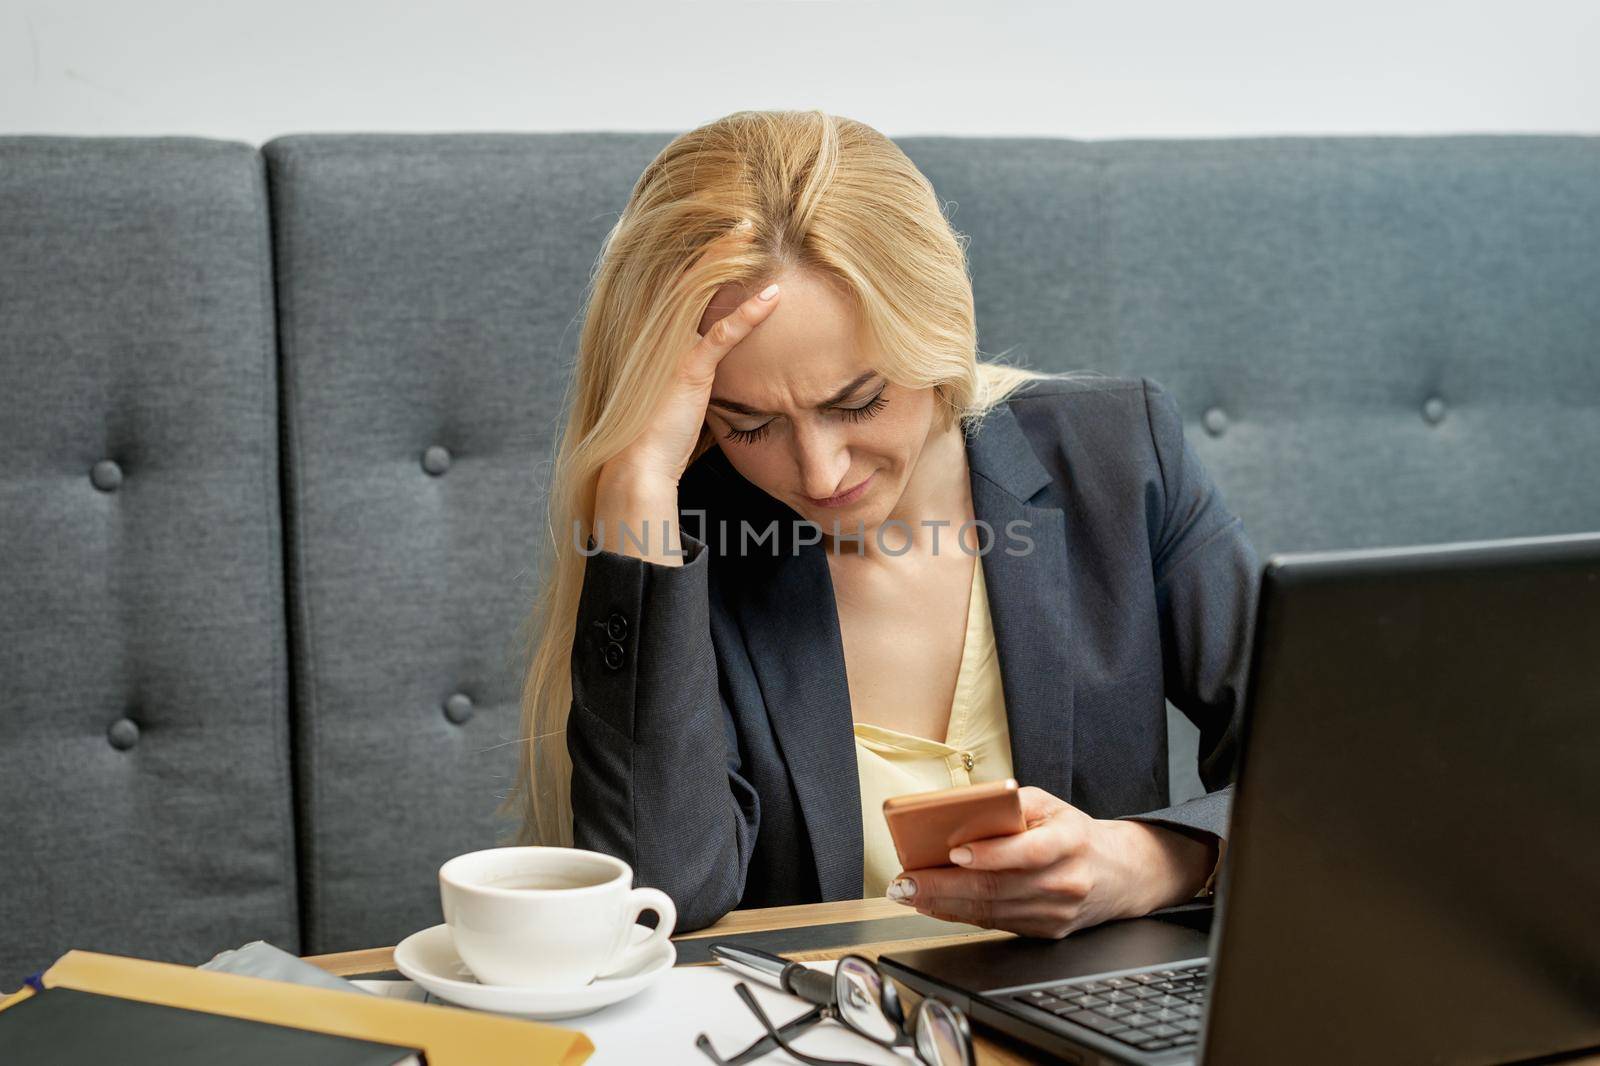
[860,993]
[939,1035]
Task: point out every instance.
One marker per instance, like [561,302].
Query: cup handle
[639,901]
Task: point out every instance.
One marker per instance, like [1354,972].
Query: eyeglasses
[866,1003]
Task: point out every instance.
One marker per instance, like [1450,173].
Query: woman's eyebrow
[745,409]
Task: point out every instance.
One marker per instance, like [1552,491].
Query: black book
[68,1027]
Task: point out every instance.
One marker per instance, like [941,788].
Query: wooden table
[994,1049]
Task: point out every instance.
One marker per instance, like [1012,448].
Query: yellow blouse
[976,748]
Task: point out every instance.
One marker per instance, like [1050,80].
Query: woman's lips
[843,498]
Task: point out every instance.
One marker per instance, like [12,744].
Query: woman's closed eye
[854,414]
[866,410]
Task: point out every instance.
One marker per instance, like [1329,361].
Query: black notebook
[67,1027]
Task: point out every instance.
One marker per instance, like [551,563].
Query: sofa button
[1215,420]
[458,708]
[617,625]
[436,460]
[123,734]
[106,475]
[614,655]
[1433,410]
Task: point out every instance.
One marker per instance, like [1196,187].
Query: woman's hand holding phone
[1065,871]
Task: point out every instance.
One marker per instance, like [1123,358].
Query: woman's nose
[823,456]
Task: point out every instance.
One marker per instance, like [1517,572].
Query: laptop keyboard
[1153,1011]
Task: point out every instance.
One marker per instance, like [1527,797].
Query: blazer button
[617,625]
[613,655]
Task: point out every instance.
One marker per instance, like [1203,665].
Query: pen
[813,986]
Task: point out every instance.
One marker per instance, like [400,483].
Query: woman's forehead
[773,382]
[813,332]
[805,350]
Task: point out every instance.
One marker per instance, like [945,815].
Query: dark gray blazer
[711,734]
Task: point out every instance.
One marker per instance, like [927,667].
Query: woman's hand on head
[664,449]
[1066,871]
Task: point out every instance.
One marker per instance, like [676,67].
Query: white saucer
[429,958]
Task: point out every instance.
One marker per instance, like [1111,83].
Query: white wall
[251,71]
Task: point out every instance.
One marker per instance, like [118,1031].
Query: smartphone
[926,825]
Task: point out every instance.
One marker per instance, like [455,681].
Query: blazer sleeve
[1206,581]
[655,757]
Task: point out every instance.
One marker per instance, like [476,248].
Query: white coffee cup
[547,918]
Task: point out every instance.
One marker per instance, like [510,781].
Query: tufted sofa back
[279,420]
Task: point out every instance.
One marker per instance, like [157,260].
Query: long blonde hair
[827,196]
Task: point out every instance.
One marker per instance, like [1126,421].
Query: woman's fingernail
[770,291]
[961,856]
[902,888]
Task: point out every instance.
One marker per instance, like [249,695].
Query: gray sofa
[277,424]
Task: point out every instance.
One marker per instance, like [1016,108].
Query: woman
[808,551]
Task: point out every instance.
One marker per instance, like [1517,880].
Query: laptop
[1413,865]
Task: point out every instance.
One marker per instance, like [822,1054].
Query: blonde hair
[827,196]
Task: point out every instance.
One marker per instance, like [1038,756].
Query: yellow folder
[450,1036]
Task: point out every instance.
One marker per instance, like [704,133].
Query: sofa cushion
[427,286]
[144,766]
[1374,340]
